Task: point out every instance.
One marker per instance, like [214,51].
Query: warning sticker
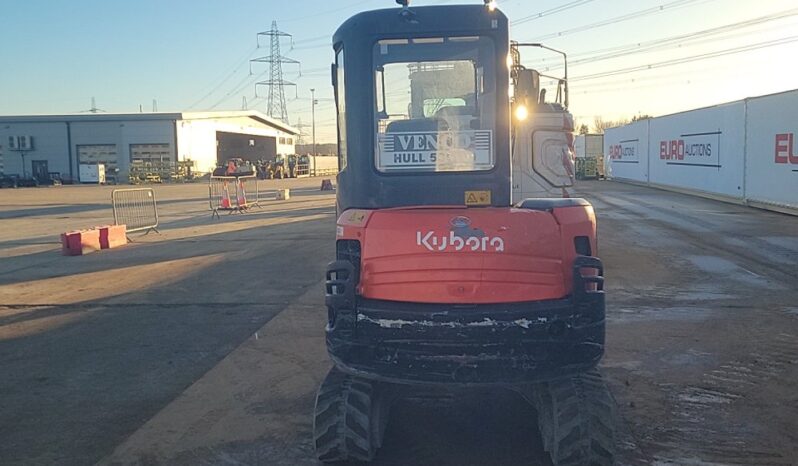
[477,198]
[357,217]
[436,151]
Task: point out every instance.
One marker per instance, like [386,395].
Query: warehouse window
[289,140]
[282,140]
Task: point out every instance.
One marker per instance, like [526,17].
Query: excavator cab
[440,277]
[422,102]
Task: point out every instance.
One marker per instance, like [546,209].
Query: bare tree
[600,124]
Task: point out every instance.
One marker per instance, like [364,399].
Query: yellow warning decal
[357,217]
[477,197]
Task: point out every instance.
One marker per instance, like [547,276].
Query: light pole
[313,116]
[24,173]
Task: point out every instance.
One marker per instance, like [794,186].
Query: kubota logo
[460,222]
[452,242]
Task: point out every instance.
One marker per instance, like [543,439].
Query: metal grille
[135,208]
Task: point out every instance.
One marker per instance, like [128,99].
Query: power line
[679,61]
[326,12]
[617,19]
[704,71]
[221,83]
[550,11]
[310,47]
[689,39]
[612,87]
[241,84]
[312,39]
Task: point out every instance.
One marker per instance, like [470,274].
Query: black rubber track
[576,419]
[349,420]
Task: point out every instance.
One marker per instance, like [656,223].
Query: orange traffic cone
[225,197]
[241,195]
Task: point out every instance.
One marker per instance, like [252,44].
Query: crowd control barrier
[233,193]
[302,170]
[135,208]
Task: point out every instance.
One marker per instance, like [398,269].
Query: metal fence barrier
[302,170]
[233,193]
[135,208]
[324,171]
[586,168]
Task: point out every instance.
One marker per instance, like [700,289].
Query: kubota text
[455,243]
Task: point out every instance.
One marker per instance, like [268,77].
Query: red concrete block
[77,243]
[112,236]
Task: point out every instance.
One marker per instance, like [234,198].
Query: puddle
[685,462]
[628,365]
[702,294]
[684,359]
[720,266]
[787,242]
[706,397]
[653,314]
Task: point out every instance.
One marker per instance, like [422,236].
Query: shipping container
[589,145]
[626,150]
[771,166]
[743,151]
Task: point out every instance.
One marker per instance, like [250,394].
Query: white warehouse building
[37,145]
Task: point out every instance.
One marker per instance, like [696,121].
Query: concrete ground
[204,344]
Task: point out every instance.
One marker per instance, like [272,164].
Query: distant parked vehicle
[27,183]
[8,181]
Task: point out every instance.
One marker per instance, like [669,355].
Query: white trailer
[92,173]
[589,145]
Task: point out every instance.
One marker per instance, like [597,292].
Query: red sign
[677,149]
[671,150]
[784,149]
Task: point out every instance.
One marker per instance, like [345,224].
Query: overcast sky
[193,54]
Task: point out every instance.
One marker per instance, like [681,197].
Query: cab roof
[427,20]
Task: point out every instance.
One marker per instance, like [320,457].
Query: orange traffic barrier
[112,236]
[80,242]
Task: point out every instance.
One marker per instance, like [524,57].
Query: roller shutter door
[98,153]
[150,153]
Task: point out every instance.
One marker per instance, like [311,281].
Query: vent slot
[582,246]
[349,250]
